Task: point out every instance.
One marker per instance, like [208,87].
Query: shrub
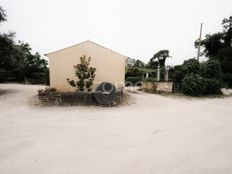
[212,86]
[227,79]
[85,74]
[193,85]
[211,69]
[3,75]
[191,66]
[134,72]
[133,81]
[178,73]
[196,85]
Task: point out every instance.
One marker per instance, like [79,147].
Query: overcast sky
[135,28]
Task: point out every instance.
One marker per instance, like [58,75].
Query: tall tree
[218,46]
[17,61]
[2,14]
[227,31]
[7,52]
[161,56]
[212,44]
[135,63]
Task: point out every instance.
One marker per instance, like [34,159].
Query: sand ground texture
[152,134]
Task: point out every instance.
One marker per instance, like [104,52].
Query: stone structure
[51,97]
[158,86]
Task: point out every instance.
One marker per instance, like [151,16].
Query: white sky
[135,28]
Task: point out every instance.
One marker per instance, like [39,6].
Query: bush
[211,69]
[178,73]
[134,72]
[3,75]
[191,66]
[196,85]
[212,86]
[133,81]
[193,85]
[227,79]
[201,79]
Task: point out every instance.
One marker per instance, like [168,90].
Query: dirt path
[154,134]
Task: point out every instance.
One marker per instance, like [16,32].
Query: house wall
[110,66]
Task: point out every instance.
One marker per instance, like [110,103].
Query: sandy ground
[154,134]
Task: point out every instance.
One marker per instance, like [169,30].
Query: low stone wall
[51,97]
[158,86]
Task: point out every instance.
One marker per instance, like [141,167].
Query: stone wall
[51,97]
[158,86]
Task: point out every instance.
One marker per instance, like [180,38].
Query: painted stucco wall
[110,66]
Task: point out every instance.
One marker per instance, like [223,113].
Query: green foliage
[215,42]
[212,86]
[224,56]
[199,78]
[218,46]
[85,74]
[212,44]
[134,81]
[153,64]
[161,57]
[178,74]
[17,63]
[191,66]
[211,69]
[171,73]
[194,85]
[2,14]
[137,68]
[8,52]
[2,75]
[227,31]
[134,72]
[20,64]
[135,63]
[139,73]
[227,79]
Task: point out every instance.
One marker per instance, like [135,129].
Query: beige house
[110,65]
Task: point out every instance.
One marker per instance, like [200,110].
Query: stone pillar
[166,75]
[147,75]
[158,73]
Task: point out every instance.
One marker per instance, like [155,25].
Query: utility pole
[199,44]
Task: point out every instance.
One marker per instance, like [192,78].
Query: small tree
[85,74]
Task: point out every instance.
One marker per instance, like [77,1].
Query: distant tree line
[159,58]
[17,62]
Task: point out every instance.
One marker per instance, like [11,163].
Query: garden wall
[51,97]
[158,86]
